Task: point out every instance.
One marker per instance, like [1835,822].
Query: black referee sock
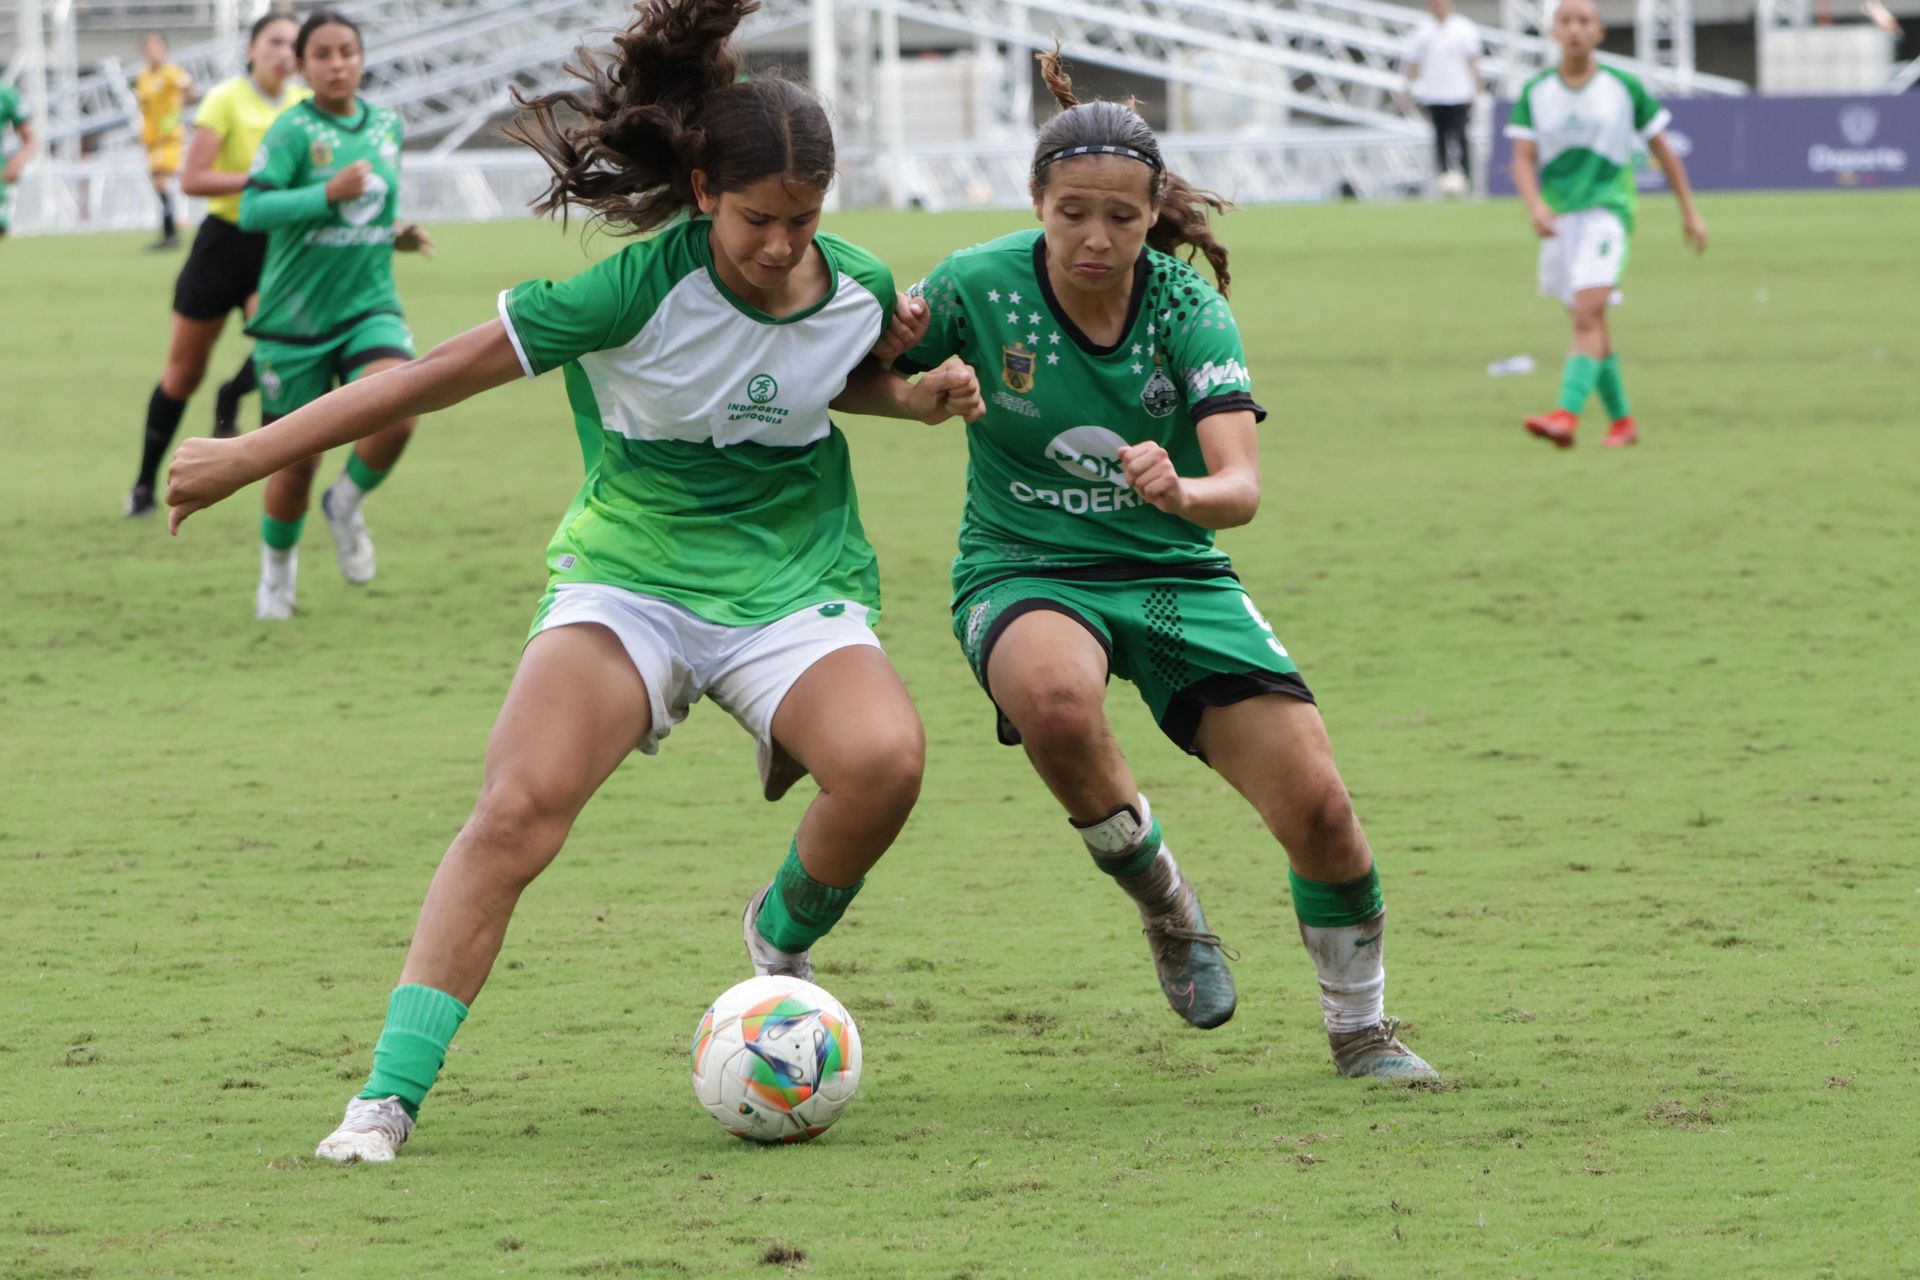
[166,216]
[163,419]
[243,383]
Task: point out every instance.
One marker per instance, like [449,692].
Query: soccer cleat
[1622,433]
[1557,426]
[1376,1053]
[374,1130]
[1190,961]
[273,598]
[226,412]
[140,501]
[767,959]
[350,537]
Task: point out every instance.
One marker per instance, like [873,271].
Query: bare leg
[1049,676]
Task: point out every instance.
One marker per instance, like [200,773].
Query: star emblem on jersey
[761,388]
[1016,368]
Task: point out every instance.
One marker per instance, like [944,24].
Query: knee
[1318,826]
[516,828]
[884,771]
[1059,719]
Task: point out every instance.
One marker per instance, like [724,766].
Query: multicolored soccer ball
[776,1060]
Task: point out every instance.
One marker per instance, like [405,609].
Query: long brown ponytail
[671,101]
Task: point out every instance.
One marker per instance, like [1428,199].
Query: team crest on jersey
[1159,397]
[1016,368]
[321,152]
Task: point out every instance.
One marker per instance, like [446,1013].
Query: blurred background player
[715,547]
[13,115]
[222,272]
[1087,552]
[164,90]
[326,188]
[1443,71]
[1582,125]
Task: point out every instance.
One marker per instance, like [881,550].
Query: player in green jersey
[325,185]
[1120,435]
[14,115]
[715,548]
[1582,124]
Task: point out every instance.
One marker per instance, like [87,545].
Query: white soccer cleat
[374,1130]
[768,960]
[350,536]
[273,598]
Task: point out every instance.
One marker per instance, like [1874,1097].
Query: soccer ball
[1452,184]
[776,1060]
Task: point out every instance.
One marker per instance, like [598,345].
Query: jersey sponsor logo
[1091,453]
[1210,375]
[366,206]
[1159,397]
[1014,404]
[349,237]
[1077,502]
[1016,368]
[761,388]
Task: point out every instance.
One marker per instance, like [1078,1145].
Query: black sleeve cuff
[1232,402]
[254,184]
[907,366]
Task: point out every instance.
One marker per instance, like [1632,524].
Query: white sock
[1351,963]
[344,496]
[278,567]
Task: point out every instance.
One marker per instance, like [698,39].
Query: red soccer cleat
[1557,426]
[1622,434]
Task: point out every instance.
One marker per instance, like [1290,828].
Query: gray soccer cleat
[374,1130]
[1376,1053]
[1190,961]
[767,959]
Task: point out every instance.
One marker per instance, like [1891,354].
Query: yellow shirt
[237,111]
[162,95]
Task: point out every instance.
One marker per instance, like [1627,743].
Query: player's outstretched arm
[948,391]
[205,469]
[1228,495]
[1692,225]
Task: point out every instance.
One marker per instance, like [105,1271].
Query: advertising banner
[1774,143]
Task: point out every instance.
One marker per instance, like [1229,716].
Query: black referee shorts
[222,270]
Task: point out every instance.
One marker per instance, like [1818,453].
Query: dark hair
[260,24]
[325,18]
[672,100]
[1116,128]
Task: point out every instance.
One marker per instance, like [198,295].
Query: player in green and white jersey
[1119,435]
[1583,124]
[13,115]
[715,547]
[325,186]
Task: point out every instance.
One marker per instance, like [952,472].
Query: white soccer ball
[776,1060]
[1452,184]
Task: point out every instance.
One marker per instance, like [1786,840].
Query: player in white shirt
[1443,72]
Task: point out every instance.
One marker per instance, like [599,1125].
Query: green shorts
[1187,642]
[292,375]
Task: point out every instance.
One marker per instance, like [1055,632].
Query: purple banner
[1774,144]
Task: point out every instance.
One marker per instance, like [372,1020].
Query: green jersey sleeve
[12,110]
[1649,118]
[1209,363]
[871,274]
[1520,122]
[946,320]
[552,322]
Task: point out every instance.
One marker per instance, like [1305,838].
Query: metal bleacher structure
[1314,86]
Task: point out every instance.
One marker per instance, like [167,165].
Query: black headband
[1067,153]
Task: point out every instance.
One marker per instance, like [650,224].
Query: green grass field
[1633,734]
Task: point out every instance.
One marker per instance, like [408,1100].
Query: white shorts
[1588,251]
[683,657]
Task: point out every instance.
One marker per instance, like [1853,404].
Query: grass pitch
[1633,735]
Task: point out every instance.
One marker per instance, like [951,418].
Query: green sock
[363,475]
[800,911]
[1613,392]
[281,535]
[413,1045]
[1577,377]
[1336,906]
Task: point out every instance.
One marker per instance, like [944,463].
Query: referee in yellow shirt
[163,91]
[222,272]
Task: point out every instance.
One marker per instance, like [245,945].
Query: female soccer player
[164,90]
[13,115]
[1120,437]
[326,187]
[1581,123]
[715,547]
[222,273]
